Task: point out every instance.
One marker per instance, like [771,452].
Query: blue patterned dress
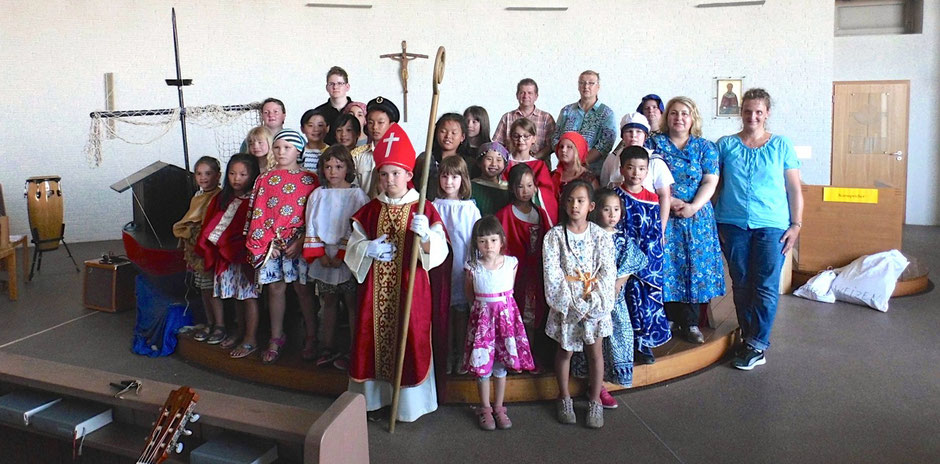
[643,293]
[693,271]
[618,347]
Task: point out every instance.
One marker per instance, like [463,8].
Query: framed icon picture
[728,98]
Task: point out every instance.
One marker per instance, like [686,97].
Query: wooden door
[869,135]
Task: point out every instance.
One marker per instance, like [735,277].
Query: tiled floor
[842,384]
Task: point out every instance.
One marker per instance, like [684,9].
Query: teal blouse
[753,193]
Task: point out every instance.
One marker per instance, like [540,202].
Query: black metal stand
[37,253]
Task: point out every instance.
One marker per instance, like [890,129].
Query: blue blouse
[754,193]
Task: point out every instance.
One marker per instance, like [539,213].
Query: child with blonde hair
[258,143]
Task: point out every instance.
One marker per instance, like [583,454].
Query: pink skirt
[495,333]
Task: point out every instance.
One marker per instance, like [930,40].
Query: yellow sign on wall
[850,195]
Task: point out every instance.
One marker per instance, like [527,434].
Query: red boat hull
[150,257]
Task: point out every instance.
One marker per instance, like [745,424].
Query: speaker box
[109,286]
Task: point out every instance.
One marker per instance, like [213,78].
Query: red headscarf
[579,143]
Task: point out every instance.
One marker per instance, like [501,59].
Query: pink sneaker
[607,401]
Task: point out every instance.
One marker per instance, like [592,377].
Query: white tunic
[328,222]
[459,217]
[364,166]
[659,175]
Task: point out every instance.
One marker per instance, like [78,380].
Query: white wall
[55,53]
[914,57]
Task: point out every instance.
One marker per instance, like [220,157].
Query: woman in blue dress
[693,270]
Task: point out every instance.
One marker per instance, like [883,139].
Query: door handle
[898,155]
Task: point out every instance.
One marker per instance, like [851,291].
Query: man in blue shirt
[592,119]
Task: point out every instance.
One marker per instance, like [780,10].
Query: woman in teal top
[759,215]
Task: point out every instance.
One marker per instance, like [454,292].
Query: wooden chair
[17,240]
[8,257]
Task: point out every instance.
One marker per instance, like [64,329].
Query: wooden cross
[403,58]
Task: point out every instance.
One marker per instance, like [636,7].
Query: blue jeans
[755,259]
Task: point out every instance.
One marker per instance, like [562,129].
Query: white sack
[818,288]
[870,280]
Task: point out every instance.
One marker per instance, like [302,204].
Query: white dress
[459,216]
[328,226]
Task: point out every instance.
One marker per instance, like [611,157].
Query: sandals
[327,356]
[230,342]
[502,420]
[217,335]
[242,351]
[485,419]
[202,333]
[342,362]
[273,352]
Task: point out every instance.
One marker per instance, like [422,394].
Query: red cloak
[527,248]
[547,197]
[230,247]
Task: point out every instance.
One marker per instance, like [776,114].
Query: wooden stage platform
[674,359]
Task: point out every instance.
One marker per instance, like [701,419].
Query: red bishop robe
[382,299]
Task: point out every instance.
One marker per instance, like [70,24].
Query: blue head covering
[652,96]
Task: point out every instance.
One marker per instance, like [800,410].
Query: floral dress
[579,272]
[495,331]
[618,347]
[277,217]
[692,269]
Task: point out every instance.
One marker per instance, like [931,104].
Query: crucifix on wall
[403,58]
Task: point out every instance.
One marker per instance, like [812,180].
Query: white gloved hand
[380,249]
[419,225]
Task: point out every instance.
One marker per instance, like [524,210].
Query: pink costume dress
[495,331]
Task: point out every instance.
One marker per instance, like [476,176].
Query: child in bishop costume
[378,253]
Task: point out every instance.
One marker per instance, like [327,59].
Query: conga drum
[46,210]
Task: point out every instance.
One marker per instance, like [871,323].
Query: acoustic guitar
[170,425]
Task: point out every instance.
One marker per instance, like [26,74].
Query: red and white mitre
[395,148]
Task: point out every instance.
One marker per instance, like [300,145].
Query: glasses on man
[335,84]
[587,83]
